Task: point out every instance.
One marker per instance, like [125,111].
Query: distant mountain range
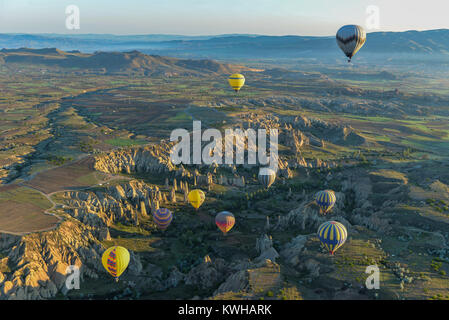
[114,62]
[95,42]
[381,46]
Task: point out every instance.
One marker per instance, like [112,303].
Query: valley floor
[86,161]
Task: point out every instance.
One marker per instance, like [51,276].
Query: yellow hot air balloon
[236,81]
[196,198]
[115,260]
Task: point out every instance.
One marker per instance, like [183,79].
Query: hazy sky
[207,17]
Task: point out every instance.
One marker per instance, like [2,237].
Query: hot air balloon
[351,39]
[162,217]
[115,260]
[267,177]
[225,221]
[236,81]
[332,235]
[196,198]
[325,200]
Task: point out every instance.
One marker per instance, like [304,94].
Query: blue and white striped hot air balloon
[351,39]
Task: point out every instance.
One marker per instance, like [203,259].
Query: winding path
[48,211]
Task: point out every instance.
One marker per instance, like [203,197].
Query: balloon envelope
[162,217]
[325,200]
[196,198]
[115,260]
[225,221]
[351,39]
[236,81]
[332,235]
[267,177]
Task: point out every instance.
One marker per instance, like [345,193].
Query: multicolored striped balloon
[162,217]
[115,260]
[225,221]
[325,200]
[332,235]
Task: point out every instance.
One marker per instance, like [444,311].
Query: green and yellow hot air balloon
[196,198]
[115,260]
[236,81]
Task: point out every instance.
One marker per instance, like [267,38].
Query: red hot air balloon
[225,221]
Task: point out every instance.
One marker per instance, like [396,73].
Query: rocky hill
[147,159]
[34,266]
[39,261]
[122,203]
[115,62]
[295,132]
